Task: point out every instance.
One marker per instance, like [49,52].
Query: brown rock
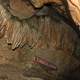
[21,9]
[39,3]
[47,37]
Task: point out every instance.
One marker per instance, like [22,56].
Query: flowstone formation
[36,46]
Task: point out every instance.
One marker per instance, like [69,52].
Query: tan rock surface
[74,7]
[42,36]
[39,3]
[21,9]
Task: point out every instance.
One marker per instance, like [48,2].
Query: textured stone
[39,3]
[47,37]
[74,7]
[21,9]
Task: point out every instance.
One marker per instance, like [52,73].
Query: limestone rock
[21,9]
[74,7]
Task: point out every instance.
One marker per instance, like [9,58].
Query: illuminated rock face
[74,7]
[39,48]
[40,3]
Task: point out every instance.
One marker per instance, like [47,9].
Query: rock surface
[47,37]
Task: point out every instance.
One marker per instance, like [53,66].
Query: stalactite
[9,32]
[37,32]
